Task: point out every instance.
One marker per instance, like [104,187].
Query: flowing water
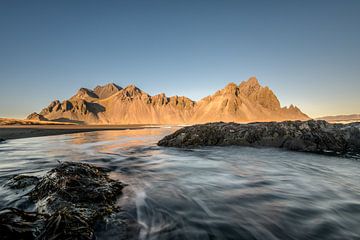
[204,193]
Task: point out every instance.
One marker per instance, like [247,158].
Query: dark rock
[78,183]
[16,224]
[66,105]
[2,140]
[22,181]
[65,224]
[70,199]
[307,136]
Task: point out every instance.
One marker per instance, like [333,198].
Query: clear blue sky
[308,52]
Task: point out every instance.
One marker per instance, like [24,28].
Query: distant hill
[111,104]
[341,118]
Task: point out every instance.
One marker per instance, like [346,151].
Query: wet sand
[26,131]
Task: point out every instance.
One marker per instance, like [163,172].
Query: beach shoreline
[8,132]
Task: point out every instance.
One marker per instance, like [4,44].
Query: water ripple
[206,193]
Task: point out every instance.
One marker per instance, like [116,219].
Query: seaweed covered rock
[308,136]
[22,181]
[76,183]
[70,199]
[64,224]
[17,224]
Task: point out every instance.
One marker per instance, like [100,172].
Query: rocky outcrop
[37,117]
[22,181]
[17,224]
[307,136]
[69,200]
[111,104]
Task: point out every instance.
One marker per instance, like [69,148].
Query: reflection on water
[205,193]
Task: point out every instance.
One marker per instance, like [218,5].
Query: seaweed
[70,199]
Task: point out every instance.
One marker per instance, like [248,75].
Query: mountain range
[112,104]
[341,118]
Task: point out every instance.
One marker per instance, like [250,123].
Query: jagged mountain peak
[293,107]
[132,87]
[264,96]
[106,90]
[132,90]
[231,85]
[252,81]
[231,88]
[84,93]
[130,93]
[250,86]
[112,85]
[108,86]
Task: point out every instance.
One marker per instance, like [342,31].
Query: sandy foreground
[25,131]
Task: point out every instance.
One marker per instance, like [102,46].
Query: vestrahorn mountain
[111,104]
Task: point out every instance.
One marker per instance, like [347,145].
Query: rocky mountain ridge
[111,104]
